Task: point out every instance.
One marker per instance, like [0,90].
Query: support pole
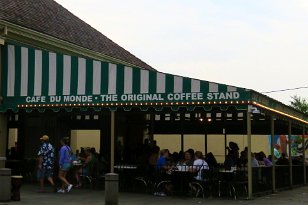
[290,154]
[112,141]
[111,189]
[205,139]
[249,154]
[152,120]
[225,139]
[304,155]
[273,154]
[182,131]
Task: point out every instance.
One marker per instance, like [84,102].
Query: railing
[261,179]
[298,175]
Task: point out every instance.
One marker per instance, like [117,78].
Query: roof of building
[49,17]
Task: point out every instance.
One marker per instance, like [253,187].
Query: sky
[260,45]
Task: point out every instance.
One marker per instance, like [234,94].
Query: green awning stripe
[120,79]
[104,77]
[136,81]
[73,78]
[89,76]
[152,82]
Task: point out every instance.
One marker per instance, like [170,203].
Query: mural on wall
[296,144]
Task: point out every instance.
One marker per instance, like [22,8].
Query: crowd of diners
[163,162]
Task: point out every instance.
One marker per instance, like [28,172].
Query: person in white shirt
[199,165]
[254,161]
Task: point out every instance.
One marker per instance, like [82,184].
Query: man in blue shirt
[45,155]
[162,160]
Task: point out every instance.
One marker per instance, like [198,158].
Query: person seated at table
[282,160]
[242,161]
[162,167]
[254,161]
[228,163]
[162,162]
[211,160]
[87,163]
[199,165]
[185,163]
[266,161]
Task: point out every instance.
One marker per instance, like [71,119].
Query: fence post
[111,189]
[5,187]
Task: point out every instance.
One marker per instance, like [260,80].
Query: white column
[272,153]
[112,139]
[249,154]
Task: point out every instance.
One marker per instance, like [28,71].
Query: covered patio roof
[38,79]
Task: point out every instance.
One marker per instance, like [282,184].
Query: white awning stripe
[112,79]
[161,83]
[178,84]
[81,85]
[11,71]
[128,80]
[213,87]
[195,86]
[66,75]
[38,73]
[97,70]
[231,89]
[52,74]
[144,81]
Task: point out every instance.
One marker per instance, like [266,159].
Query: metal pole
[273,154]
[304,154]
[205,139]
[249,154]
[290,154]
[112,141]
[225,137]
[152,119]
[182,131]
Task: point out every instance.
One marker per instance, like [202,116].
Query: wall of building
[85,138]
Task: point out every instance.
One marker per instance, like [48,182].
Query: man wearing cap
[45,155]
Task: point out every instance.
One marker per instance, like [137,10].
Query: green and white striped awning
[38,78]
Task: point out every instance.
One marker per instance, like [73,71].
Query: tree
[299,103]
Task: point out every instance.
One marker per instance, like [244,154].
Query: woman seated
[87,164]
[199,165]
[185,163]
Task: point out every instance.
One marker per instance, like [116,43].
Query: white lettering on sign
[172,97]
[55,99]
[223,96]
[184,96]
[73,98]
[109,98]
[142,97]
[36,99]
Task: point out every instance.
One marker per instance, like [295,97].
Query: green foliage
[299,103]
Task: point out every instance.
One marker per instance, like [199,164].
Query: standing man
[45,155]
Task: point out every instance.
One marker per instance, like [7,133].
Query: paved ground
[297,196]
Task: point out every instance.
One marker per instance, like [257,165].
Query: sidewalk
[85,196]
